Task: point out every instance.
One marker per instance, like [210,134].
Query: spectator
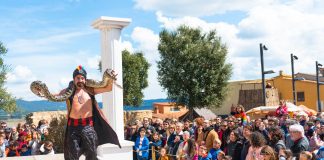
[267,153]
[282,109]
[320,153]
[221,156]
[203,153]
[305,155]
[163,156]
[215,150]
[186,150]
[234,147]
[47,148]
[22,139]
[247,130]
[25,151]
[12,150]
[34,144]
[142,145]
[257,142]
[276,139]
[285,154]
[177,140]
[240,113]
[3,125]
[199,134]
[210,135]
[14,134]
[2,146]
[149,129]
[186,127]
[300,141]
[157,144]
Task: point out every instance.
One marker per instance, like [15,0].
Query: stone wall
[129,116]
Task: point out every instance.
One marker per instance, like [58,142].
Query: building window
[300,96]
[174,109]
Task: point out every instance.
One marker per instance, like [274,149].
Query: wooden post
[153,153]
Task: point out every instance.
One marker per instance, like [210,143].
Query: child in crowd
[142,145]
[46,148]
[203,154]
[12,151]
[25,151]
[163,155]
[215,150]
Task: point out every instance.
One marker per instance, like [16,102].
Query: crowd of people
[25,140]
[235,137]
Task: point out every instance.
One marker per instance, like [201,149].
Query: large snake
[40,89]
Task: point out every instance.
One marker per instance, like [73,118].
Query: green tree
[135,73]
[193,67]
[7,101]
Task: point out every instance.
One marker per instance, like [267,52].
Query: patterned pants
[81,140]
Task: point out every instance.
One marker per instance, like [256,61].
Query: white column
[111,57]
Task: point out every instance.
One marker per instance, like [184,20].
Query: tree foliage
[7,101]
[135,73]
[193,67]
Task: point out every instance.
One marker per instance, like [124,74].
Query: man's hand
[111,73]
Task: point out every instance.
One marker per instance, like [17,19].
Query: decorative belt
[80,122]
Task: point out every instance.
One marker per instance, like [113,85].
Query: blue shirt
[213,153]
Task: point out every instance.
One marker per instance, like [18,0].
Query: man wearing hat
[87,127]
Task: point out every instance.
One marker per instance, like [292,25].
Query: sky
[47,40]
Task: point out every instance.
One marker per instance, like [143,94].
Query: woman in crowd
[156,143]
[276,139]
[267,153]
[257,142]
[234,146]
[285,154]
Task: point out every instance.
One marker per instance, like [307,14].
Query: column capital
[110,22]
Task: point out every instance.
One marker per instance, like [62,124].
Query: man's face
[3,125]
[246,133]
[178,128]
[79,81]
[146,121]
[295,135]
[206,125]
[14,130]
[186,125]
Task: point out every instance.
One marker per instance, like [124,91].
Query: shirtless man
[87,127]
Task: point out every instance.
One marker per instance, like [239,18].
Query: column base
[113,152]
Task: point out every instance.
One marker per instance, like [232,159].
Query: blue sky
[48,39]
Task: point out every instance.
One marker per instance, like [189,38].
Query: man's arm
[108,88]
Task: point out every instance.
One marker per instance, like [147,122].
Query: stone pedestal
[111,57]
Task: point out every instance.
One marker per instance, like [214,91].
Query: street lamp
[263,47]
[292,58]
[319,105]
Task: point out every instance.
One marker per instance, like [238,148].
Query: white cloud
[147,42]
[199,8]
[20,74]
[285,28]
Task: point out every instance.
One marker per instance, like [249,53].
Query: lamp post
[263,47]
[292,58]
[319,105]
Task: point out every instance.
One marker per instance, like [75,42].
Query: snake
[40,89]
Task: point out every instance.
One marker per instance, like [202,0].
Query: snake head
[111,73]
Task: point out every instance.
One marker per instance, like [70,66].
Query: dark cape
[104,131]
